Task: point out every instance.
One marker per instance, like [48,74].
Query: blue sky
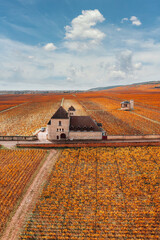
[71,44]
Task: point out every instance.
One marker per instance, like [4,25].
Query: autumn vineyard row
[34,111]
[81,145]
[99,193]
[16,169]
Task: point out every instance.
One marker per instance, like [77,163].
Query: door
[63,136]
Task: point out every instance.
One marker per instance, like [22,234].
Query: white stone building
[127,105]
[65,125]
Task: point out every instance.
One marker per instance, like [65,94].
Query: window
[62,130]
[57,137]
[60,123]
[57,129]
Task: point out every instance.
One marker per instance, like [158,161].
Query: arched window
[60,123]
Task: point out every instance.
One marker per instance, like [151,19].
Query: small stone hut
[127,105]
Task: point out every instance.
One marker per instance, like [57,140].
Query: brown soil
[28,202]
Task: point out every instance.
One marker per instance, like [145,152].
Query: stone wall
[133,137]
[85,135]
[18,138]
[55,129]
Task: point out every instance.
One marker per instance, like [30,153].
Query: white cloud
[50,47]
[80,45]
[124,68]
[124,20]
[30,67]
[82,33]
[135,21]
[138,65]
[30,57]
[69,79]
[118,74]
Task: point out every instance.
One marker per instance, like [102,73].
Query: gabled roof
[83,123]
[61,113]
[71,108]
[49,123]
[125,102]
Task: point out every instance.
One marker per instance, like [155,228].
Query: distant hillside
[38,91]
[151,83]
[144,83]
[104,88]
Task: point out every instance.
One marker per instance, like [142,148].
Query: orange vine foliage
[116,122]
[103,106]
[88,144]
[26,119]
[99,193]
[16,169]
[8,101]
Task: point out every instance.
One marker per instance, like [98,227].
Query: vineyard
[16,169]
[32,112]
[99,193]
[26,119]
[8,101]
[116,122]
[87,144]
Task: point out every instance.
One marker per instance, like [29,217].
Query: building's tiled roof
[71,108]
[125,102]
[83,123]
[60,114]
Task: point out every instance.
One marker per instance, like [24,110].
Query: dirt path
[31,196]
[73,102]
[154,121]
[5,110]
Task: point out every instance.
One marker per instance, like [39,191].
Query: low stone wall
[85,135]
[138,137]
[18,138]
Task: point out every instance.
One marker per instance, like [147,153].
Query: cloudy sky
[72,44]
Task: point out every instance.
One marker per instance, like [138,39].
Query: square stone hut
[65,125]
[127,105]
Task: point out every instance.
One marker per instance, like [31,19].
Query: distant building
[127,105]
[65,125]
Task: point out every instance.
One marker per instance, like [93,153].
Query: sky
[78,45]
